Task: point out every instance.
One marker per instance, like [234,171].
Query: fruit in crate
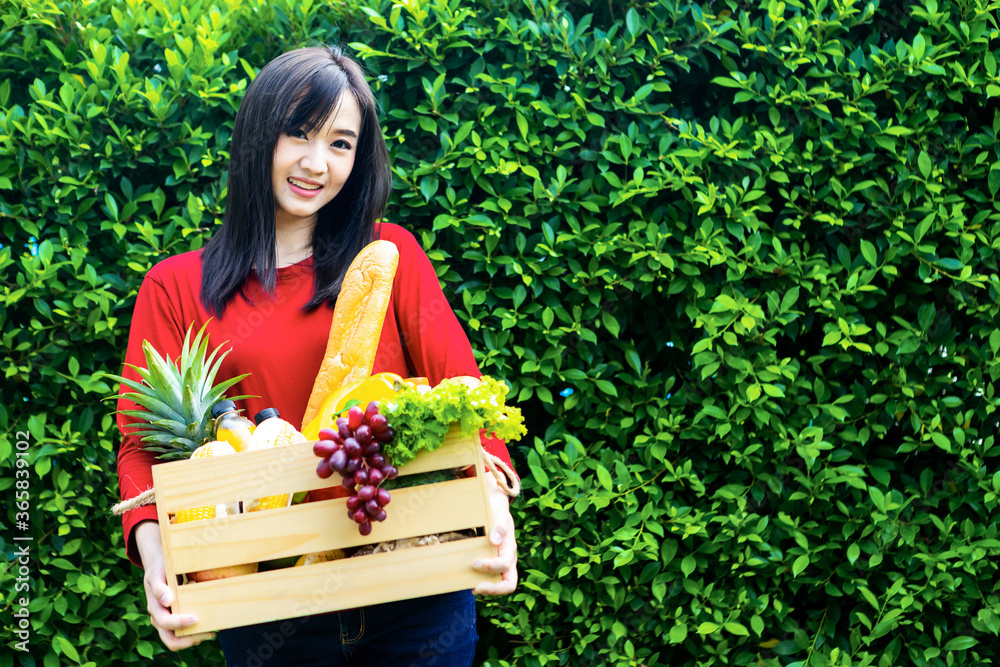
[378,387]
[320,557]
[210,449]
[272,431]
[177,398]
[354,450]
[365,444]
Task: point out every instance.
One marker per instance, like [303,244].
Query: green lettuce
[421,420]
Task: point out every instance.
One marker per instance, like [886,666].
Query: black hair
[298,90]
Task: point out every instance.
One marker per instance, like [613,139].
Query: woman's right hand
[159,597]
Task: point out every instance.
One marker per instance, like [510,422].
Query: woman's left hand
[503,536]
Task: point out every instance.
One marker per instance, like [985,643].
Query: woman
[308,179]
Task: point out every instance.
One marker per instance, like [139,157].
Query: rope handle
[506,479]
[147,497]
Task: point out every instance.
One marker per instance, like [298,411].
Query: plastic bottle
[271,429]
[231,427]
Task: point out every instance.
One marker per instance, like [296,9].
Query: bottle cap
[221,408]
[266,413]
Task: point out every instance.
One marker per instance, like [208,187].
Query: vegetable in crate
[378,387]
[210,449]
[422,418]
[272,431]
[365,443]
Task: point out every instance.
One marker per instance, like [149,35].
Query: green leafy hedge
[738,261]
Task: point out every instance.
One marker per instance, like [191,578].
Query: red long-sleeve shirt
[282,347]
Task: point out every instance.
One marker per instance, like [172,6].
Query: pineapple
[273,432]
[178,397]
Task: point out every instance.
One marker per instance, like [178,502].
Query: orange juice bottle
[230,426]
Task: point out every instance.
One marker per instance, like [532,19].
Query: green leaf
[800,564]
[877,498]
[868,252]
[537,469]
[659,590]
[606,387]
[737,629]
[610,323]
[428,186]
[853,552]
[924,164]
[870,597]
[727,82]
[961,643]
[144,648]
[522,124]
[993,180]
[68,649]
[604,477]
[632,357]
[707,628]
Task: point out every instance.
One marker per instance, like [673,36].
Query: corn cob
[208,450]
[273,432]
[215,448]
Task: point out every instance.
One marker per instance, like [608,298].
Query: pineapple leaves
[177,395]
[163,376]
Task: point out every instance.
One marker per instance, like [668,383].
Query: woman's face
[309,169]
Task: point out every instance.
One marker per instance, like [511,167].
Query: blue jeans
[436,631]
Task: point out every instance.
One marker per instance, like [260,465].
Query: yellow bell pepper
[378,387]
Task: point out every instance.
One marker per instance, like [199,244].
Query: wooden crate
[317,526]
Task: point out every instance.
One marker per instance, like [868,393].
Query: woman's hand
[159,597]
[503,535]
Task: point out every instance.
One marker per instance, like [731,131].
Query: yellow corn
[216,448]
[273,432]
[208,450]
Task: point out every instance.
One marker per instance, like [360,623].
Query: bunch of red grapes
[355,451]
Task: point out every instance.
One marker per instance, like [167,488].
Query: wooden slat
[456,451]
[319,526]
[335,585]
[168,563]
[248,475]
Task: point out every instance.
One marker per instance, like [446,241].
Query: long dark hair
[296,91]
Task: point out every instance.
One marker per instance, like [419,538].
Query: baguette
[357,322]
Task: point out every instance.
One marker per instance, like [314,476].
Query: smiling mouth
[305,186]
